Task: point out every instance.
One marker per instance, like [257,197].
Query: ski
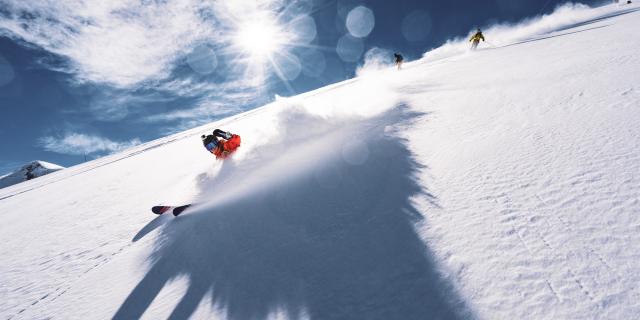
[176,210]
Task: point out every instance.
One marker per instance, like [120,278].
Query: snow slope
[29,171]
[499,184]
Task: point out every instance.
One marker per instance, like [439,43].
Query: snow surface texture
[499,184]
[29,171]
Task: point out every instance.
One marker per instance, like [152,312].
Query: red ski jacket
[225,148]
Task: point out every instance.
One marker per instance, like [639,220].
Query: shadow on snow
[337,241]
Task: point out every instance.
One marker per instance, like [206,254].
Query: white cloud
[129,50]
[78,143]
[119,42]
[206,111]
[216,100]
[123,43]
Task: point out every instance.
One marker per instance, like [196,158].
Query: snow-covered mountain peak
[31,170]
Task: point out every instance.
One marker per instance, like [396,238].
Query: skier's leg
[222,134]
[218,133]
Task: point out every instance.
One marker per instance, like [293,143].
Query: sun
[260,39]
[262,43]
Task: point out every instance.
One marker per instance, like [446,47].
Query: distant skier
[475,39]
[223,147]
[398,59]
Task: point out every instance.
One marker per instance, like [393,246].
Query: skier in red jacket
[223,147]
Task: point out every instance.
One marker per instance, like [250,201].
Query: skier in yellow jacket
[475,39]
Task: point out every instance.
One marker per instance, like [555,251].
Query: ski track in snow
[528,157]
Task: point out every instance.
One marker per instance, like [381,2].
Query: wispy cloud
[125,42]
[129,48]
[207,110]
[214,100]
[120,42]
[78,143]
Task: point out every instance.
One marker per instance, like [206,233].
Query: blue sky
[86,78]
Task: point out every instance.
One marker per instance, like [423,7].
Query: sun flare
[263,43]
[260,39]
